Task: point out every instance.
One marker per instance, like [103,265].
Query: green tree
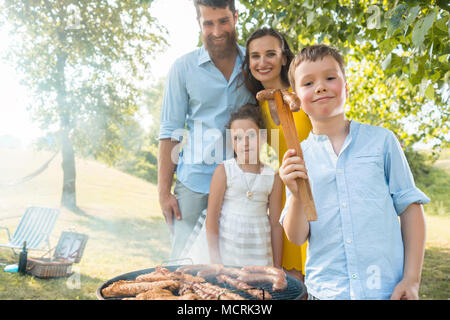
[82,61]
[153,101]
[397,56]
[142,146]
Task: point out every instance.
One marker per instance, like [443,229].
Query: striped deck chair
[35,228]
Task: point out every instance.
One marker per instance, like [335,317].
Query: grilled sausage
[210,291]
[196,267]
[213,270]
[278,283]
[264,95]
[269,270]
[132,288]
[241,285]
[289,98]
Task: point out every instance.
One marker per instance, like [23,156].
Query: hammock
[30,176]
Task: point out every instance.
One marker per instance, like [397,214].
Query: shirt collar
[205,57]
[318,138]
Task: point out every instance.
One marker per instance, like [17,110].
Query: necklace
[249,192]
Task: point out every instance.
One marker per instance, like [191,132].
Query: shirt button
[354,276]
[349,241]
[344,204]
[339,171]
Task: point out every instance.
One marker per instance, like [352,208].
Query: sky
[14,119]
[178,16]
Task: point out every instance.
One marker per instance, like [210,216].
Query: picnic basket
[69,250]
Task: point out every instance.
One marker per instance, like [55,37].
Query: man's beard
[224,50]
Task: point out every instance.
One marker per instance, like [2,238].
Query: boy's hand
[292,168]
[406,290]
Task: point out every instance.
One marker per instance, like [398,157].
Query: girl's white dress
[244,229]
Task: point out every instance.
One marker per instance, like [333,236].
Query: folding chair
[35,228]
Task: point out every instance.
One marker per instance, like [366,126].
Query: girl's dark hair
[248,111]
[250,82]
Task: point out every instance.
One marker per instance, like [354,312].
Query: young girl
[238,231]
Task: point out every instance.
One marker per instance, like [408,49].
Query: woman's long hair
[250,82]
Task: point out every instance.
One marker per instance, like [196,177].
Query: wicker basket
[48,268]
[69,250]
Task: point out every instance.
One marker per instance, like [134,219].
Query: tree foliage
[82,61]
[397,56]
[141,158]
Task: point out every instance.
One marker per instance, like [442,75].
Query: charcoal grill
[295,290]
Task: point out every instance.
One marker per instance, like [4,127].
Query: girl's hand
[406,290]
[292,168]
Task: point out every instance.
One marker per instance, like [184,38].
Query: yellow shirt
[293,256]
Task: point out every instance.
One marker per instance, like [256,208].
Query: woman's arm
[274,218]
[215,199]
[413,233]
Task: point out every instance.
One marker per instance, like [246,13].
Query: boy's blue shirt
[355,248]
[199,99]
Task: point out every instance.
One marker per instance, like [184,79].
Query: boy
[361,183]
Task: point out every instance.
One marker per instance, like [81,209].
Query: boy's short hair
[214,3]
[312,53]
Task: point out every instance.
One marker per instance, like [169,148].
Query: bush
[419,164]
[433,181]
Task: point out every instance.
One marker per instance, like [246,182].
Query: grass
[122,219]
[436,185]
[127,232]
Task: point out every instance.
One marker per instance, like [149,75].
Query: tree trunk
[68,199]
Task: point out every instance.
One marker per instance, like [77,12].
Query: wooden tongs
[286,102]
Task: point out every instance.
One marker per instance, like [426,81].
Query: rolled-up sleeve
[400,179]
[175,103]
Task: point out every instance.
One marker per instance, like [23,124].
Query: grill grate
[295,290]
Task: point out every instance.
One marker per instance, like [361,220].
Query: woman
[266,66]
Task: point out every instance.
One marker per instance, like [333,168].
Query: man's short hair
[214,3]
[312,53]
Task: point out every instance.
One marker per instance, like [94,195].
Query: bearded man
[203,88]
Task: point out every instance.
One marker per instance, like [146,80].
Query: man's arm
[413,233]
[166,168]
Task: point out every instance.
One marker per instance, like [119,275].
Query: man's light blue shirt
[198,102]
[355,248]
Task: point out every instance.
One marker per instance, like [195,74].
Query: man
[203,89]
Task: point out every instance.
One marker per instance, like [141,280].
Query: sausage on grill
[278,283]
[260,294]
